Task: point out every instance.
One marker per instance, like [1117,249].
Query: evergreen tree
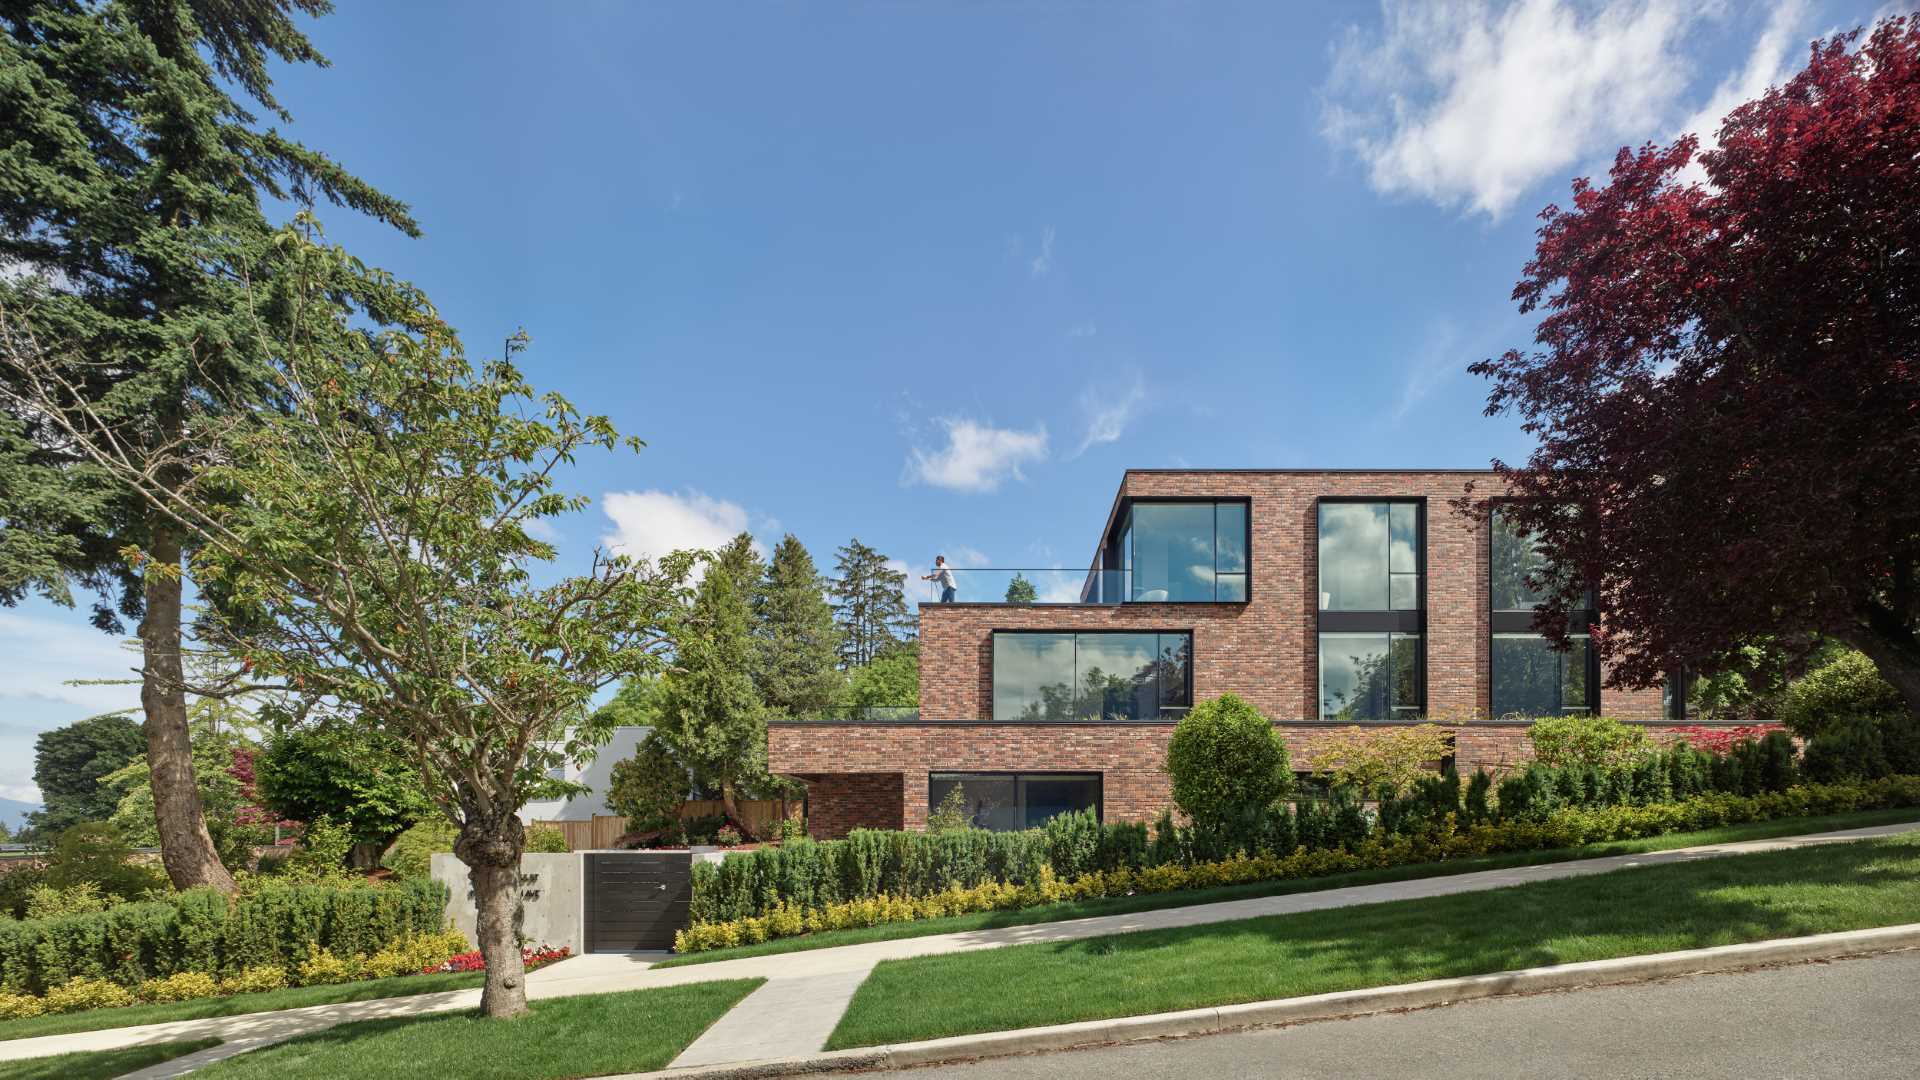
[800,642]
[710,714]
[1021,591]
[70,765]
[871,604]
[130,194]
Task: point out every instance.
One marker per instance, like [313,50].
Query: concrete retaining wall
[553,895]
[552,898]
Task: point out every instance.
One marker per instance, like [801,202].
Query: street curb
[1345,1003]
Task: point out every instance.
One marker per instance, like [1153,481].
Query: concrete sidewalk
[604,973]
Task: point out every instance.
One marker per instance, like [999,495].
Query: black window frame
[1119,563]
[1392,622]
[1098,777]
[1164,715]
[1512,622]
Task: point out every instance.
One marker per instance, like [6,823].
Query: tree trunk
[185,848]
[729,806]
[491,850]
[1897,657]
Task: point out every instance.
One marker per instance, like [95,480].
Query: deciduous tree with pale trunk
[1726,384]
[369,542]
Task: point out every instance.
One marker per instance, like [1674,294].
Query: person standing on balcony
[943,574]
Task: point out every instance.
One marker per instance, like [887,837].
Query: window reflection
[1515,560]
[1370,556]
[1369,678]
[1185,552]
[1041,677]
[1531,679]
[1007,802]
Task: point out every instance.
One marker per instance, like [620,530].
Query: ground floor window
[1006,802]
[1532,678]
[1370,678]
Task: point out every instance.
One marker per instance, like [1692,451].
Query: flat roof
[1326,472]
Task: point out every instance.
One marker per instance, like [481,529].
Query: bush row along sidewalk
[769,880]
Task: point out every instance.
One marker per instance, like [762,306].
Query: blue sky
[934,275]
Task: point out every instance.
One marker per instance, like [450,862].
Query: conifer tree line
[765,639]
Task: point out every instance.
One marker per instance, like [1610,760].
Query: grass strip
[238,1004]
[1652,909]
[589,1035]
[99,1064]
[1126,905]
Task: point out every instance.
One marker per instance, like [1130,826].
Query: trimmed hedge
[203,931]
[1750,767]
[1446,839]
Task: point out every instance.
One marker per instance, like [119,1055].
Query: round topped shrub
[1226,760]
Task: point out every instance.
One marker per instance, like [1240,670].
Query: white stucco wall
[597,775]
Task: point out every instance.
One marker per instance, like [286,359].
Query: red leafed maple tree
[1725,383]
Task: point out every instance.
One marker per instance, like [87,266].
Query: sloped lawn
[99,1064]
[1718,901]
[589,1035]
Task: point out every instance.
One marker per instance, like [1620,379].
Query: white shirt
[944,575]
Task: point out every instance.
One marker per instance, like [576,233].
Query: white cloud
[977,457]
[1775,57]
[1471,103]
[649,524]
[918,591]
[39,656]
[1083,330]
[1043,262]
[1108,408]
[541,529]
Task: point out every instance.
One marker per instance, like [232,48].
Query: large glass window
[1529,676]
[1515,560]
[1370,556]
[1372,649]
[1185,552]
[1532,678]
[1370,677]
[1093,676]
[1006,802]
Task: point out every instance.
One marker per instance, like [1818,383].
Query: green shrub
[951,815]
[92,852]
[649,787]
[202,931]
[547,839]
[180,986]
[1587,740]
[1841,690]
[46,901]
[411,855]
[255,980]
[79,995]
[321,855]
[1370,758]
[1225,758]
[792,829]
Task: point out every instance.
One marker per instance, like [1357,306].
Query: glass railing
[1050,585]
[879,714]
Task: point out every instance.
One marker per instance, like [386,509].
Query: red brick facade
[1265,650]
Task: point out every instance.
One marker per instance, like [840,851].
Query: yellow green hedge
[1564,829]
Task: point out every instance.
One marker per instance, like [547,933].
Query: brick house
[1327,598]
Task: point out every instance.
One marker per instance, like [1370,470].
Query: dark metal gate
[636,899]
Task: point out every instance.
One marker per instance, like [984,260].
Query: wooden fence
[759,815]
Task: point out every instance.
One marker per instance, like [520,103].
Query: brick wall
[875,775]
[1267,649]
[1264,650]
[840,801]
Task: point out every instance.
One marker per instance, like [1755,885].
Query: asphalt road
[1852,1018]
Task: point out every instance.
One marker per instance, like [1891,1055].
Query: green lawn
[1122,905]
[1651,909]
[590,1035]
[99,1064]
[238,1004]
